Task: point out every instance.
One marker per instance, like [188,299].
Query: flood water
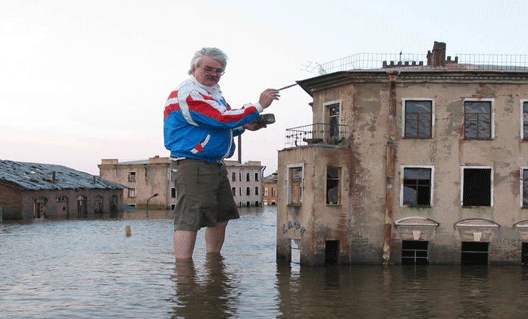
[91,269]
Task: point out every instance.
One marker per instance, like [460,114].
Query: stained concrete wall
[365,102]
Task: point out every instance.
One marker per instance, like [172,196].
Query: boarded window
[332,185]
[418,119]
[477,187]
[295,178]
[477,120]
[417,186]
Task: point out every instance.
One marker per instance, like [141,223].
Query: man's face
[209,71]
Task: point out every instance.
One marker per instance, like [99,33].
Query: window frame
[404,113]
[431,193]
[521,202]
[289,184]
[326,117]
[132,177]
[492,115]
[462,183]
[522,101]
[339,185]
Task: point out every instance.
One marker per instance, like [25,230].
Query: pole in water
[128,231]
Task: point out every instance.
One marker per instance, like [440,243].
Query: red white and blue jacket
[199,124]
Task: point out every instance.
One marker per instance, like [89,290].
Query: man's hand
[268,96]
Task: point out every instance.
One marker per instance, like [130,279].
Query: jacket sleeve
[204,109]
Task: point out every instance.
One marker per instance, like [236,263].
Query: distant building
[246,182]
[269,184]
[143,179]
[409,163]
[35,191]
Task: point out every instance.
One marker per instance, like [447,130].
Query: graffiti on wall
[295,226]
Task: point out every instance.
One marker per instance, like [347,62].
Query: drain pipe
[390,168]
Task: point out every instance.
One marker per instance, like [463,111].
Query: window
[247,177]
[415,252]
[332,185]
[256,177]
[417,186]
[478,118]
[418,117]
[239,177]
[266,192]
[256,191]
[173,192]
[332,113]
[131,192]
[233,190]
[295,184]
[131,176]
[474,253]
[233,177]
[248,191]
[476,189]
[524,187]
[524,119]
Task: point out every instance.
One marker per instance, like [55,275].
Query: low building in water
[409,162]
[35,191]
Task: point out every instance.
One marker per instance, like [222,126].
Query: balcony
[317,134]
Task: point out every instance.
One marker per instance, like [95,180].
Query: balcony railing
[317,133]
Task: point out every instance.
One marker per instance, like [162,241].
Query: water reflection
[208,295]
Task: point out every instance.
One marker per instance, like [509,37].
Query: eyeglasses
[211,70]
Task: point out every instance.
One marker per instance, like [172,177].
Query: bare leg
[214,238]
[184,243]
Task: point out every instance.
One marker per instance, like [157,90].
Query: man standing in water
[199,131]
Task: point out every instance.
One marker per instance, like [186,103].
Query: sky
[82,81]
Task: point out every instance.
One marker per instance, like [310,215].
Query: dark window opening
[173,192]
[477,187]
[417,186]
[257,203]
[524,254]
[331,252]
[233,177]
[415,252]
[131,176]
[477,120]
[332,185]
[525,121]
[418,119]
[256,177]
[474,253]
[334,120]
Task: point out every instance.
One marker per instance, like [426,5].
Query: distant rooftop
[36,176]
[435,60]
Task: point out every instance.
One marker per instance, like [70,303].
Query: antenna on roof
[311,66]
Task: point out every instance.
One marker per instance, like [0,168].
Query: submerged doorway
[475,253]
[415,252]
[331,252]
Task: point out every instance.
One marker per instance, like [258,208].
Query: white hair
[214,53]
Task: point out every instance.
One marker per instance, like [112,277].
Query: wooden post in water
[128,231]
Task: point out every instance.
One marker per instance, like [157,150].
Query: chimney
[437,57]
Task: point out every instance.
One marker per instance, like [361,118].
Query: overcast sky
[83,80]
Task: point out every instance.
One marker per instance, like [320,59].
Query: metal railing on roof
[375,61]
[317,133]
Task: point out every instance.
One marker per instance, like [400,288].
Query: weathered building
[410,162]
[246,182]
[151,181]
[143,179]
[269,184]
[35,191]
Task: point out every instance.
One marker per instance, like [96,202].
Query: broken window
[474,253]
[417,186]
[415,252]
[295,179]
[332,185]
[476,187]
[477,120]
[131,176]
[418,119]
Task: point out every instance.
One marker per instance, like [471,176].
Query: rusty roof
[36,176]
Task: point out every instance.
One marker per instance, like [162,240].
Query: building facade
[31,191]
[269,184]
[409,163]
[246,182]
[146,178]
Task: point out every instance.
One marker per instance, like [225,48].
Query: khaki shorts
[204,196]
